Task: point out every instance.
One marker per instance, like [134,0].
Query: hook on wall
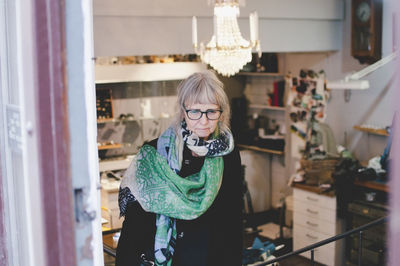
[347,95]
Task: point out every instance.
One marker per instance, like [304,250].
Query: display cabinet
[141,111]
[259,121]
[135,103]
[369,204]
[266,112]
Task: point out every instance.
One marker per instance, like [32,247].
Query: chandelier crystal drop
[227,51]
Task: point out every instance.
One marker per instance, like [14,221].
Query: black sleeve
[137,235]
[230,217]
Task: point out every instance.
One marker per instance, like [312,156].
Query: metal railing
[311,248]
[109,251]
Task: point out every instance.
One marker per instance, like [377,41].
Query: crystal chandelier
[227,51]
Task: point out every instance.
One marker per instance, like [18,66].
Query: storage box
[318,172]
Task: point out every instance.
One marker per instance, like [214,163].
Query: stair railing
[312,247]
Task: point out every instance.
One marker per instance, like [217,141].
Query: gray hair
[205,88]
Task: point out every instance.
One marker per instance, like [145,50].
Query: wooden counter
[372,185]
[315,189]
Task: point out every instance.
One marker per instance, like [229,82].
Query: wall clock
[366,30]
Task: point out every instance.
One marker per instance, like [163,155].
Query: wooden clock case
[366,30]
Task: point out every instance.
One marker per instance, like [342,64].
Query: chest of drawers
[314,219]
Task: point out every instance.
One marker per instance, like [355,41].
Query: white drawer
[314,199]
[303,237]
[322,226]
[313,211]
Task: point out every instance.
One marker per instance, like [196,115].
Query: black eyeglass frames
[196,114]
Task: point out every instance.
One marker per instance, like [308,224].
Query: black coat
[214,238]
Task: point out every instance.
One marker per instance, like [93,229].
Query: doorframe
[393,235]
[84,164]
[68,132]
[54,142]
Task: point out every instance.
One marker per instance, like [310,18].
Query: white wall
[133,27]
[373,106]
[257,178]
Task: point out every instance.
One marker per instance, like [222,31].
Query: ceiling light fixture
[227,51]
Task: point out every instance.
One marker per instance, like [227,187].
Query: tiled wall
[150,108]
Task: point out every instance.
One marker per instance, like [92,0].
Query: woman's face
[202,127]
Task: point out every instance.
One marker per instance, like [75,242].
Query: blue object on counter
[256,251]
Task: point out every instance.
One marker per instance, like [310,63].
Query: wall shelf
[109,146]
[260,74]
[255,148]
[380,132]
[114,120]
[269,107]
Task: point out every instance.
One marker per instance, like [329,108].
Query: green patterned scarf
[153,180]
[160,190]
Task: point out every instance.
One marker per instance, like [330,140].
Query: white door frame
[20,176]
[83,131]
[55,122]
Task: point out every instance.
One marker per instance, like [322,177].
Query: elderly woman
[182,194]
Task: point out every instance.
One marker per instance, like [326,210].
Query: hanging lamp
[227,51]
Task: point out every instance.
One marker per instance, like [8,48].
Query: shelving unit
[265,100]
[110,146]
[115,120]
[374,248]
[261,83]
[255,148]
[260,74]
[380,132]
[142,98]
[267,107]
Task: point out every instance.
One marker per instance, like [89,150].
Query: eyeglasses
[196,114]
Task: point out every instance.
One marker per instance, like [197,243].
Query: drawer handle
[310,236]
[313,199]
[312,224]
[313,212]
